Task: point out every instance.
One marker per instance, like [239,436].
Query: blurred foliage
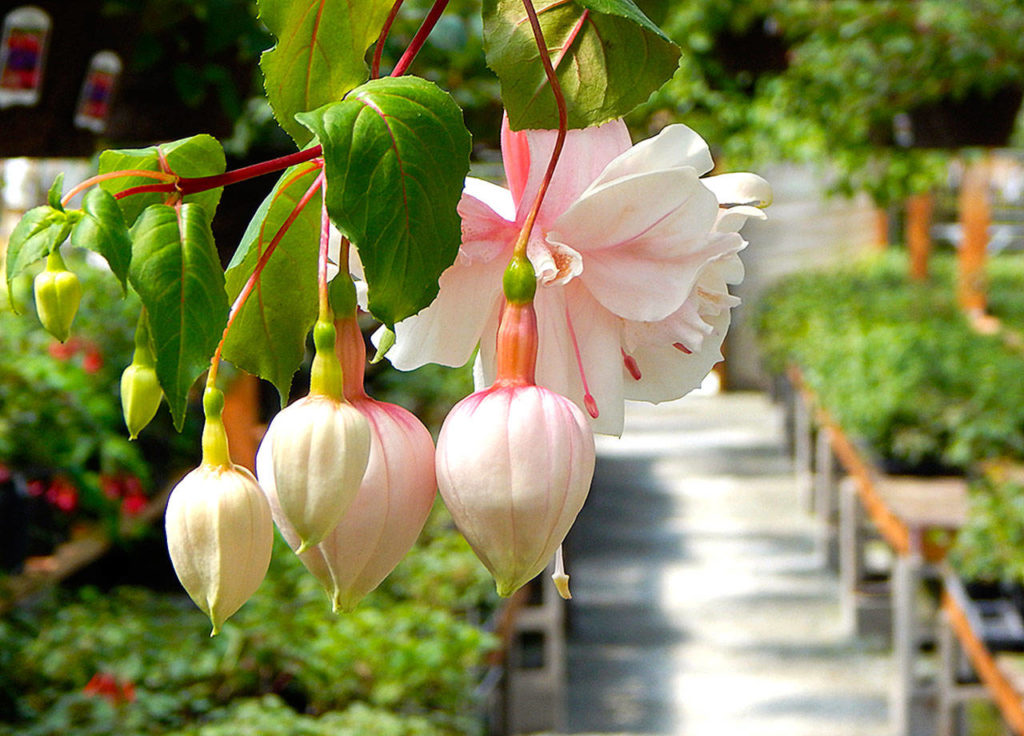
[825,83]
[990,547]
[406,662]
[897,364]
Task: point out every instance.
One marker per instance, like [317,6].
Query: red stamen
[588,398]
[631,366]
[682,348]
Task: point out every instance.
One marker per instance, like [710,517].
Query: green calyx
[520,281]
[215,438]
[58,293]
[326,378]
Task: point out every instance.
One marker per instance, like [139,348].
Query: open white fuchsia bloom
[633,252]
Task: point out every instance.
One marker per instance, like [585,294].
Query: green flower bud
[140,396]
[58,293]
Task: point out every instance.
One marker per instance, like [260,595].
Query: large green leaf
[607,62]
[268,336]
[39,232]
[103,230]
[200,155]
[397,153]
[176,271]
[320,53]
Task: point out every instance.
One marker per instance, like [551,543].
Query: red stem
[379,48]
[258,271]
[191,185]
[420,38]
[165,188]
[563,125]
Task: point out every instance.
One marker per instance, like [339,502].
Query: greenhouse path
[700,607]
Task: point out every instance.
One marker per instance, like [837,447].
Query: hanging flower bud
[515,461]
[320,447]
[218,524]
[394,499]
[140,389]
[58,294]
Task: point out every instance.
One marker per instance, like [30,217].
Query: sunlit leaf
[176,271]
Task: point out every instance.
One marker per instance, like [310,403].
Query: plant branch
[563,125]
[420,38]
[379,48]
[257,272]
[191,185]
[141,173]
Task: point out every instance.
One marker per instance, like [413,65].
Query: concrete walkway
[699,607]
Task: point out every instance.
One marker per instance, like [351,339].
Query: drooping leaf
[268,335]
[176,271]
[200,155]
[397,153]
[102,229]
[320,53]
[39,232]
[608,56]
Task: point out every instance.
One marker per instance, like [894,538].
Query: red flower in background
[106,686]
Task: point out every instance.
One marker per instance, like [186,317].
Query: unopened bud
[220,535]
[140,397]
[58,293]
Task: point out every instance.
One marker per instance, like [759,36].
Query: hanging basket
[975,119]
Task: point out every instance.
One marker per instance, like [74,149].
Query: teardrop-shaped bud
[514,465]
[220,536]
[58,293]
[388,514]
[320,447]
[140,397]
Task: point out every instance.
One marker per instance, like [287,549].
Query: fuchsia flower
[633,253]
[515,461]
[394,499]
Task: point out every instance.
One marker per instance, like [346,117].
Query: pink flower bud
[392,504]
[514,465]
[220,535]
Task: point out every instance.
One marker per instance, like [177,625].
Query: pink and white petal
[619,213]
[732,219]
[515,155]
[448,330]
[585,154]
[674,146]
[740,189]
[496,197]
[598,335]
[485,233]
[668,373]
[554,263]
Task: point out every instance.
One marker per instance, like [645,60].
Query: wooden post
[881,228]
[975,217]
[919,238]
[241,419]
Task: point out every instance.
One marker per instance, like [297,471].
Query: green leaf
[103,230]
[320,53]
[200,155]
[268,335]
[53,196]
[397,154]
[176,271]
[39,232]
[616,59]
